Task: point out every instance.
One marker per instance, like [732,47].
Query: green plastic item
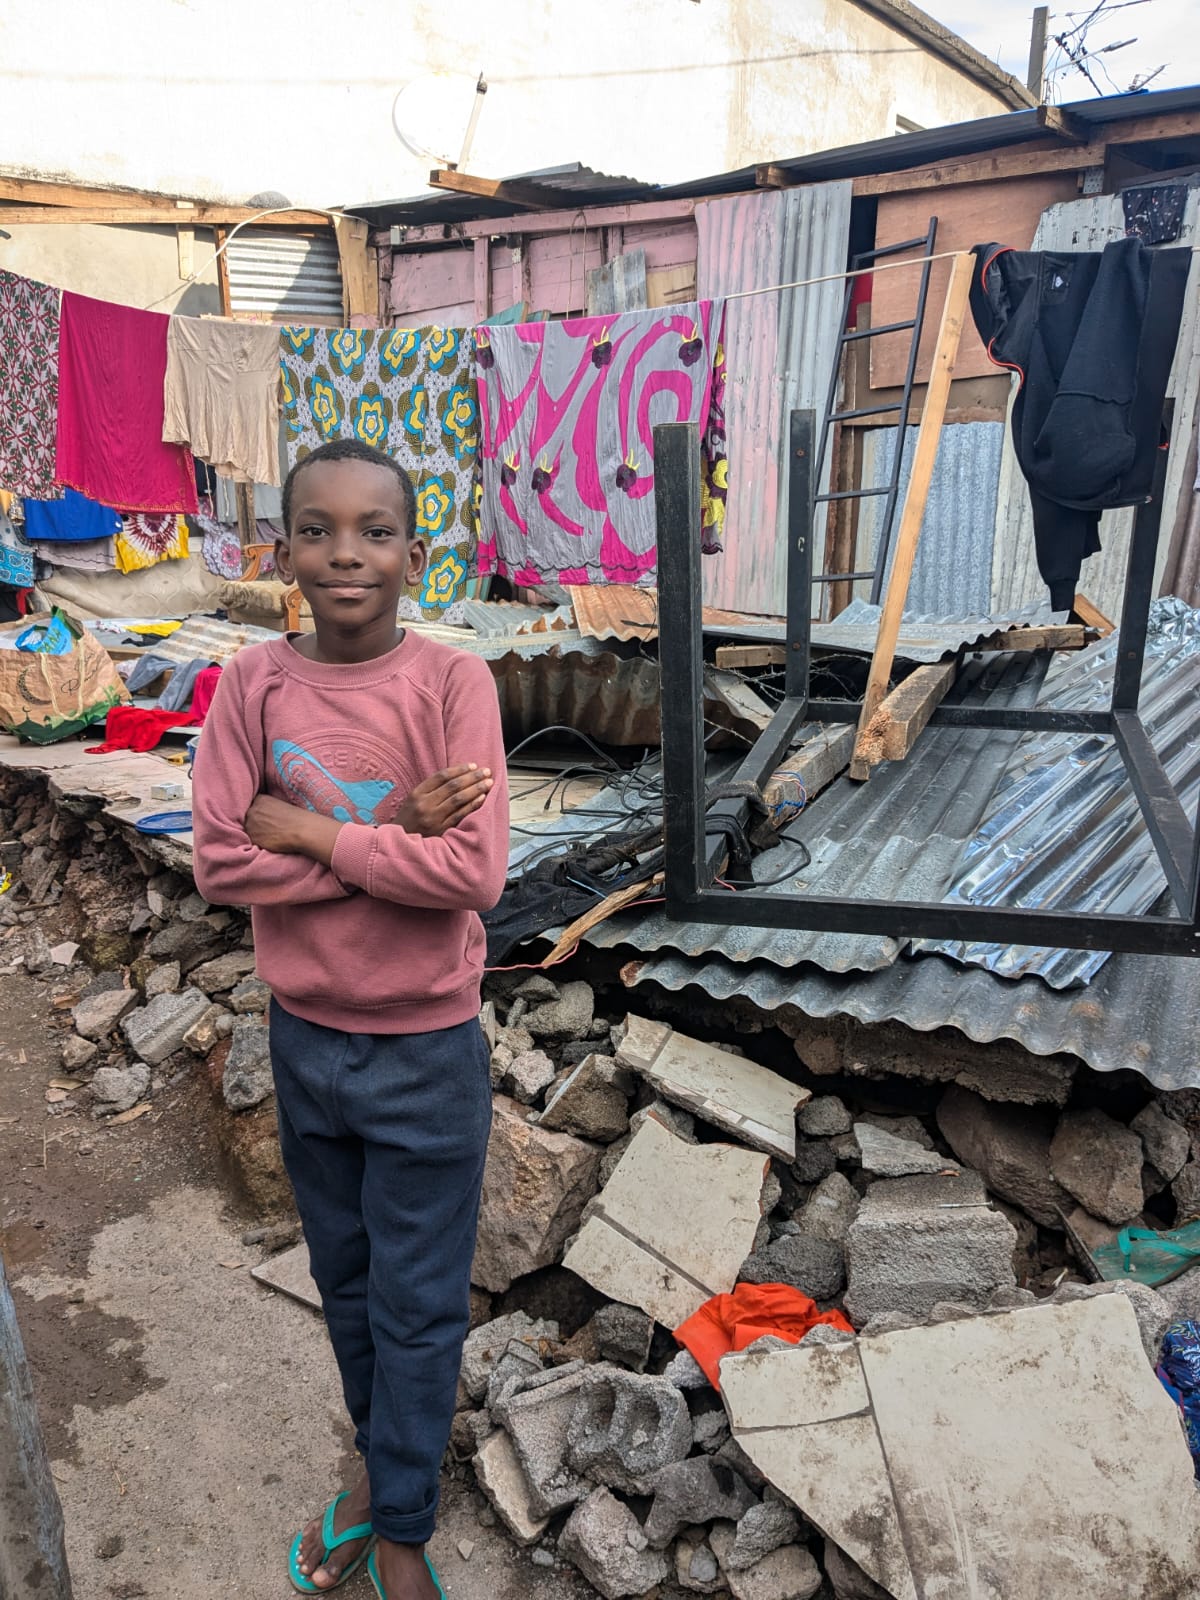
[1142,1256]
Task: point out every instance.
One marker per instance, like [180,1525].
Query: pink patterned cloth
[112,362]
[567,412]
[28,386]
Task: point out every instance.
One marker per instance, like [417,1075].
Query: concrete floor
[193,1418]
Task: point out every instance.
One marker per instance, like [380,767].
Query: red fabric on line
[730,1322]
[137,728]
[203,690]
[112,361]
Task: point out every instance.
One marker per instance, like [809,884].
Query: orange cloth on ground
[734,1321]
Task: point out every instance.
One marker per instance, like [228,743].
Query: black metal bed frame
[697,834]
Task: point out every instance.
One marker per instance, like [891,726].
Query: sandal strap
[334,1541]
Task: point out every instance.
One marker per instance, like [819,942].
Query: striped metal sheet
[922,638]
[779,349]
[1089,225]
[285,277]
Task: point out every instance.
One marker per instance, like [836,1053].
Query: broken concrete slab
[789,1573]
[848,1579]
[288,1273]
[97,1015]
[485,1345]
[537,1422]
[1099,1161]
[1010,1146]
[517,1364]
[535,1187]
[568,1016]
[527,1074]
[1151,1311]
[500,1475]
[1165,1142]
[814,1266]
[887,1155]
[917,1241]
[690,1493]
[591,1101]
[749,1101]
[830,1209]
[673,1224]
[604,1540]
[157,1030]
[626,1428]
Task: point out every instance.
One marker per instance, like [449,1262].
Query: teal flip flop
[373,1574]
[332,1541]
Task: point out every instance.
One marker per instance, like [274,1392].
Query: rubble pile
[635,1172]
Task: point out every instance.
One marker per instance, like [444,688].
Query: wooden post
[223,273]
[1035,78]
[482,249]
[247,526]
[933,413]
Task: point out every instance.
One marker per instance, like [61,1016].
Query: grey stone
[889,1322]
[247,1078]
[732,1454]
[1006,1071]
[156,1030]
[626,1428]
[189,943]
[1186,1192]
[163,980]
[192,908]
[1182,1296]
[204,1034]
[1010,1146]
[789,1573]
[116,1089]
[814,1266]
[624,1334]
[485,1345]
[888,1156]
[848,1579]
[845,1149]
[952,1311]
[78,1054]
[592,1101]
[762,1529]
[710,1428]
[814,1160]
[685,1372]
[568,1017]
[1166,1143]
[772,1191]
[499,1473]
[141,919]
[823,1117]
[1012,1300]
[916,1241]
[611,1159]
[681,1123]
[901,1127]
[830,1209]
[97,1015]
[517,1363]
[537,1422]
[535,1187]
[825,1333]
[696,1568]
[527,1075]
[536,988]
[542,1558]
[688,1493]
[1153,1313]
[250,997]
[597,1540]
[1099,1161]
[223,972]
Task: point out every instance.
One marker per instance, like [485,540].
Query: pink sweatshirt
[388,940]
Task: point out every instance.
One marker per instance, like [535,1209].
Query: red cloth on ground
[112,361]
[203,690]
[137,728]
[734,1321]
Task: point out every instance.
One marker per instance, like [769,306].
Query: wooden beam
[1150,130]
[156,216]
[767,176]
[1092,616]
[631,212]
[1021,161]
[750,655]
[360,271]
[1062,125]
[928,436]
[893,729]
[482,279]
[529,196]
[223,274]
[1067,636]
[34,191]
[813,767]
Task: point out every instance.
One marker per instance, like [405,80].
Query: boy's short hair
[352,450]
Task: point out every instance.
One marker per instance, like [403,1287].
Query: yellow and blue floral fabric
[410,392]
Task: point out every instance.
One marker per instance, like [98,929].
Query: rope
[839,277]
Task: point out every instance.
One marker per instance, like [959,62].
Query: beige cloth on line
[221,395]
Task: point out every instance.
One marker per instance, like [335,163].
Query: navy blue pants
[384,1138]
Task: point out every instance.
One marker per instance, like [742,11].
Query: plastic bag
[47,697]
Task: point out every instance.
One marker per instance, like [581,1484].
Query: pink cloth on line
[111,364]
[203,690]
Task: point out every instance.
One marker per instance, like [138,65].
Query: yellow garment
[6,501]
[135,549]
[162,629]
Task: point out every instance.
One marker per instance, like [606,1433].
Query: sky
[1165,31]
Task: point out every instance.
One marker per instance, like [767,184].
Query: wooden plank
[223,273]
[1021,161]
[808,770]
[531,196]
[34,191]
[892,731]
[482,279]
[559,221]
[767,176]
[1063,125]
[199,216]
[671,286]
[751,655]
[1066,636]
[594,915]
[618,285]
[1092,616]
[360,273]
[928,435]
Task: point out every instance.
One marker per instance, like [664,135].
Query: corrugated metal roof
[779,352]
[574,180]
[287,277]
[922,638]
[619,611]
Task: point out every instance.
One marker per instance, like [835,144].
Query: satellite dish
[432,113]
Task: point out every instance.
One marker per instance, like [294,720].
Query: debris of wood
[131,1115]
[893,729]
[1064,636]
[750,655]
[600,912]
[1092,616]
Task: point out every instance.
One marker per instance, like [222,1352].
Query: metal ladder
[901,407]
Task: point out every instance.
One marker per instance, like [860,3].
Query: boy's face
[350,549]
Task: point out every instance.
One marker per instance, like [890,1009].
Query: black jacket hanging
[1091,337]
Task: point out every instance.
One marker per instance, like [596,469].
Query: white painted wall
[227,98]
[131,266]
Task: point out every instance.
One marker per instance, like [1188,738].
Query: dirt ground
[192,1417]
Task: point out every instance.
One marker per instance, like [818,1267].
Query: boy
[350,788]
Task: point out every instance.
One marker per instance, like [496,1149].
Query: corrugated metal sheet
[922,638]
[954,556]
[1063,829]
[618,611]
[779,350]
[287,277]
[1089,225]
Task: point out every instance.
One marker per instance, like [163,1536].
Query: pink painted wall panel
[428,279]
[667,244]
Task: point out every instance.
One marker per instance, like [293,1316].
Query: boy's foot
[403,1572]
[325,1569]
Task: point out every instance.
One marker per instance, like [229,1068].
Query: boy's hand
[290,830]
[441,802]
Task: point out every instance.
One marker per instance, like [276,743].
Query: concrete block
[626,1428]
[814,1266]
[689,1493]
[601,1538]
[673,1224]
[569,1016]
[486,1344]
[1099,1161]
[501,1477]
[97,1015]
[157,1030]
[592,1101]
[685,1372]
[754,1104]
[1010,1146]
[823,1117]
[916,1241]
[790,1573]
[527,1075]
[537,1422]
[887,1156]
[518,1362]
[829,1209]
[624,1335]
